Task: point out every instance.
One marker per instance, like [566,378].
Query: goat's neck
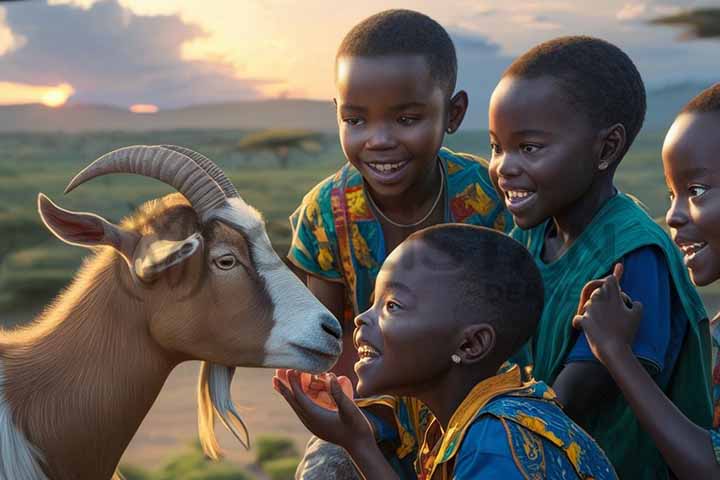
[83,377]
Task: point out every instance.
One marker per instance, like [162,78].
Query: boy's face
[406,338]
[392,115]
[691,159]
[542,148]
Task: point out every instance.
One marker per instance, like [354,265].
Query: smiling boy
[486,425]
[395,98]
[561,119]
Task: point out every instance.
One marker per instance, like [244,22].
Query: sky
[149,54]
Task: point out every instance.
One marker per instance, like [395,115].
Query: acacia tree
[698,23]
[281,142]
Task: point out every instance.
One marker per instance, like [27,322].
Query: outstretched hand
[325,405]
[608,316]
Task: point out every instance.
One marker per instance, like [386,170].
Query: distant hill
[663,105]
[305,114]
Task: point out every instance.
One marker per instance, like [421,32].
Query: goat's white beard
[214,399]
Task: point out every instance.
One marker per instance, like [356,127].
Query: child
[489,294]
[395,78]
[692,167]
[561,119]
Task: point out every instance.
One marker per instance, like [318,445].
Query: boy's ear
[478,342]
[612,141]
[456,112]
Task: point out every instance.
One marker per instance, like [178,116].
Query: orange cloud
[52,96]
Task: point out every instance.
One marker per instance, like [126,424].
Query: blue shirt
[646,279]
[485,453]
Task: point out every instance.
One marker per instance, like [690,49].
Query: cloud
[480,65]
[111,55]
[631,12]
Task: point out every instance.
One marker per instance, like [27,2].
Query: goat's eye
[226,262]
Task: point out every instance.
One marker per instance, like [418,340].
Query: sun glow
[144,108]
[57,96]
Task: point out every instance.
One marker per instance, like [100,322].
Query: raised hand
[342,423]
[317,386]
[609,317]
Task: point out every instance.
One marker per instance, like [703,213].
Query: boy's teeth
[387,167]
[692,248]
[518,194]
[366,351]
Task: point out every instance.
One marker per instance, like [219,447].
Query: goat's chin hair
[214,399]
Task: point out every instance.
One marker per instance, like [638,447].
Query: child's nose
[676,215]
[381,138]
[508,165]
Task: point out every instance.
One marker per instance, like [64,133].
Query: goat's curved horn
[167,165]
[209,166]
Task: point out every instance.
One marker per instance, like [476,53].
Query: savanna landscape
[79,78]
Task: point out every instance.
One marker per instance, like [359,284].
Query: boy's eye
[671,195]
[405,120]
[353,121]
[495,148]
[391,306]
[530,148]
[697,190]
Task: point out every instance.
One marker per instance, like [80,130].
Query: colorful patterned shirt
[337,237]
[507,429]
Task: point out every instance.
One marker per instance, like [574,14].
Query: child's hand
[608,316]
[344,425]
[317,387]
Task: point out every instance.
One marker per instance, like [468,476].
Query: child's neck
[444,397]
[414,203]
[569,224]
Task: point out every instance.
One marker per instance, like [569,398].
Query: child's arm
[346,426]
[610,327]
[584,382]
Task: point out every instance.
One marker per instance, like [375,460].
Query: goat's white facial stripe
[297,331]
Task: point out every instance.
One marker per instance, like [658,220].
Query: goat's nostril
[332,327]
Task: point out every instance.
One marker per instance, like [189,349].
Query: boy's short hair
[706,101]
[404,32]
[497,282]
[598,78]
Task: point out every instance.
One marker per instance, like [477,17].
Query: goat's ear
[157,256]
[85,229]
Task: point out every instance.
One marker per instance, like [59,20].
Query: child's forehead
[692,146]
[355,74]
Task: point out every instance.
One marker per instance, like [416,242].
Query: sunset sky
[173,53]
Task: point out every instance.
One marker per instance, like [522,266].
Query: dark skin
[391,111]
[412,357]
[539,141]
[692,173]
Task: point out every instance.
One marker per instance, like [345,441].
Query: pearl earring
[455,358]
[449,130]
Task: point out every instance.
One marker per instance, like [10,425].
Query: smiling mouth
[692,249]
[516,199]
[386,168]
[367,353]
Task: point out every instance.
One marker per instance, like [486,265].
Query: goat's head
[204,271]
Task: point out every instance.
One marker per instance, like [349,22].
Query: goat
[190,276]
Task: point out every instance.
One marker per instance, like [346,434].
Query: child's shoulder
[462,161]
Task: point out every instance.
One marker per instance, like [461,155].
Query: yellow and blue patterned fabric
[337,237]
[505,429]
[715,432]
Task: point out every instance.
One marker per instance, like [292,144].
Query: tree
[281,142]
[699,23]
